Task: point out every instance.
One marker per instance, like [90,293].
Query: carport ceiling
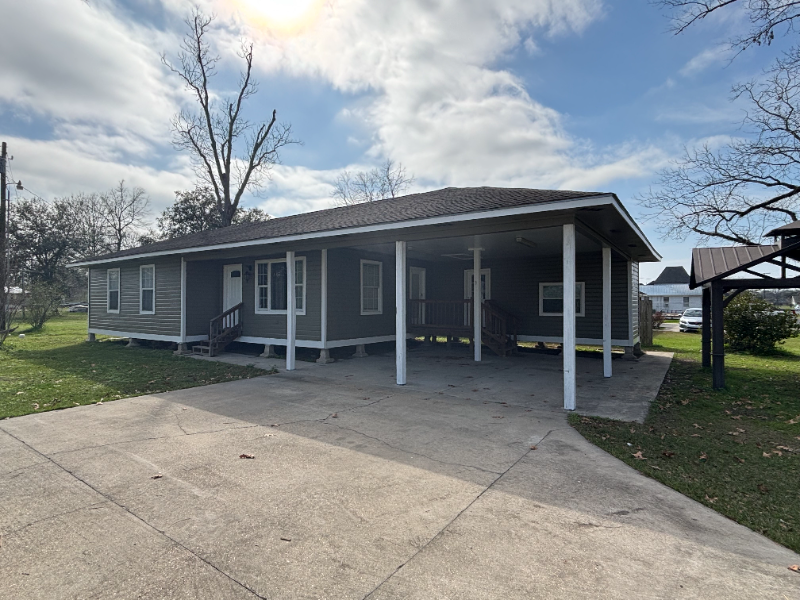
[532,243]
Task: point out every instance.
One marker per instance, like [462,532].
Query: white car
[691,320]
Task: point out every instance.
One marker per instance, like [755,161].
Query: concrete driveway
[357,490]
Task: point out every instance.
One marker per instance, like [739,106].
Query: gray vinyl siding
[203,295]
[204,298]
[274,326]
[167,317]
[345,320]
[515,288]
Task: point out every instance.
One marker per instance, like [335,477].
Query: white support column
[569,315]
[89,336]
[476,301]
[324,353]
[606,311]
[291,311]
[400,295]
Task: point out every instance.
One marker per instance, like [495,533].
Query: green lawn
[55,368]
[736,450]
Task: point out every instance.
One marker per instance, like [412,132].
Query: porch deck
[527,379]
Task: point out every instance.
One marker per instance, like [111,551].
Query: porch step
[218,343]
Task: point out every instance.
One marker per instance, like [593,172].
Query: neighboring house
[386,270]
[670,291]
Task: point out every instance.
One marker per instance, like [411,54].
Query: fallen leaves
[703,457]
[638,456]
[668,453]
[157,476]
[246,456]
[795,568]
[533,447]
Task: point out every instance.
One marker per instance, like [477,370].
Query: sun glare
[283,16]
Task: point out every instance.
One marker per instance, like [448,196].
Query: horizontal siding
[345,320]
[515,287]
[203,295]
[167,317]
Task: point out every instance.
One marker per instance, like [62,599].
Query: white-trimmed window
[551,299]
[112,291]
[371,287]
[686,302]
[271,286]
[147,289]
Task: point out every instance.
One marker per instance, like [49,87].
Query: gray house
[388,270]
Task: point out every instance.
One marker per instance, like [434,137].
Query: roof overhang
[576,204]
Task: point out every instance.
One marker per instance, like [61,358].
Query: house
[670,291]
[388,270]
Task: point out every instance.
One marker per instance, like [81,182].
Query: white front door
[416,291]
[231,286]
[486,289]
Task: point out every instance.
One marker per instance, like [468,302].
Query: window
[271,286]
[112,287]
[666,302]
[551,299]
[371,287]
[147,289]
[686,302]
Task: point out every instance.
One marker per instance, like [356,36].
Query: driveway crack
[143,521]
[440,533]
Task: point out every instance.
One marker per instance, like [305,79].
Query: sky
[593,95]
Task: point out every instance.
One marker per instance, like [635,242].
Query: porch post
[324,353]
[717,336]
[182,349]
[706,326]
[569,314]
[90,337]
[291,311]
[606,311]
[477,298]
[400,295]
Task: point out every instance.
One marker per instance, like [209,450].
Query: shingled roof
[439,203]
[671,275]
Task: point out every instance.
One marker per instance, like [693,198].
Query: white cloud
[707,58]
[53,169]
[437,103]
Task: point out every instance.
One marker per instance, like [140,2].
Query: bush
[42,303]
[658,319]
[753,325]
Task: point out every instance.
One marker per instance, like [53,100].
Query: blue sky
[575,94]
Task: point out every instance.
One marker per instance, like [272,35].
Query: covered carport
[723,275]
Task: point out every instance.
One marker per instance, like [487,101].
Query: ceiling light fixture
[526,242]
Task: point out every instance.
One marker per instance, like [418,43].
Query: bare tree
[91,222]
[765,16]
[739,191]
[231,154]
[124,211]
[387,181]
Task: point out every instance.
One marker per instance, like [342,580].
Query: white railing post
[291,311]
[606,311]
[568,347]
[401,293]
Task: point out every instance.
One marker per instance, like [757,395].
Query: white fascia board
[555,339]
[147,336]
[529,209]
[317,343]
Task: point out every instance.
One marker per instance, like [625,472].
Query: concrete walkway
[358,489]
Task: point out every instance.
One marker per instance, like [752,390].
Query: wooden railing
[499,322]
[230,319]
[452,315]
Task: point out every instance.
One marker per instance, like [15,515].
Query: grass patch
[735,450]
[55,368]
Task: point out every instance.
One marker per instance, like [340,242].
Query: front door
[231,286]
[486,288]
[416,291]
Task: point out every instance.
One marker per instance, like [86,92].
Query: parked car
[691,320]
[78,308]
